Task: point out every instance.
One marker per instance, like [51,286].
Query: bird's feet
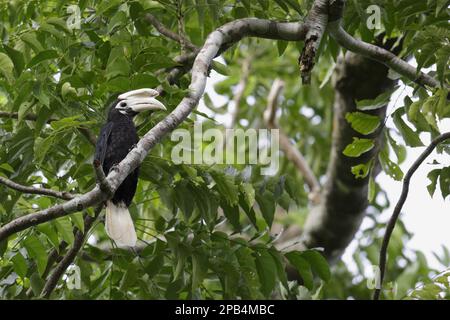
[132,147]
[114,167]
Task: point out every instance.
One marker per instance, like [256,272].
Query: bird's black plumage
[116,139]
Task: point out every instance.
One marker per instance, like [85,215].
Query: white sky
[428,219]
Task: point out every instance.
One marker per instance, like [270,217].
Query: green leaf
[20,265]
[362,122]
[266,203]
[232,214]
[295,5]
[399,150]
[199,269]
[65,229]
[30,39]
[7,167]
[440,4]
[36,250]
[251,285]
[358,147]
[249,194]
[266,268]
[281,45]
[226,187]
[41,147]
[239,12]
[318,264]
[362,170]
[183,200]
[77,219]
[155,265]
[17,58]
[433,176]
[372,104]
[48,229]
[411,138]
[249,211]
[23,110]
[205,203]
[413,111]
[444,182]
[37,284]
[303,267]
[42,56]
[278,258]
[390,167]
[6,66]
[129,278]
[220,68]
[429,111]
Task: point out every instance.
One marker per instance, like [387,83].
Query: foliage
[204,230]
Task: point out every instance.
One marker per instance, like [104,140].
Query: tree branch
[398,207]
[70,256]
[219,40]
[372,51]
[316,23]
[333,223]
[33,190]
[183,41]
[291,152]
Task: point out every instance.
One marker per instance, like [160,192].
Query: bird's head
[136,101]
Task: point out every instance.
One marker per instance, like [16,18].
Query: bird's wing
[102,142]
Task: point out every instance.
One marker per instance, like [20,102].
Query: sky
[428,219]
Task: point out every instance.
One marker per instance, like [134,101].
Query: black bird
[116,139]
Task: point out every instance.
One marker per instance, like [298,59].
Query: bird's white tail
[119,225]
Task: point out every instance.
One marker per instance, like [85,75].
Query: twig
[398,207]
[169,33]
[70,255]
[33,190]
[291,152]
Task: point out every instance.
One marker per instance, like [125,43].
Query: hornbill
[117,137]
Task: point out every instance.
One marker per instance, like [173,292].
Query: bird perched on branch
[117,137]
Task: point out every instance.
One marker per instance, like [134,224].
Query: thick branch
[217,41]
[183,41]
[333,224]
[398,207]
[316,23]
[62,266]
[379,54]
[33,190]
[291,152]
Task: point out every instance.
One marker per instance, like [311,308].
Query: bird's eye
[123,104]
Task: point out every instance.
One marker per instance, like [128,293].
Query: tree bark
[334,222]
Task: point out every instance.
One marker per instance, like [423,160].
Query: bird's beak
[140,100]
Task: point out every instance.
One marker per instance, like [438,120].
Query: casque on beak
[140,100]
